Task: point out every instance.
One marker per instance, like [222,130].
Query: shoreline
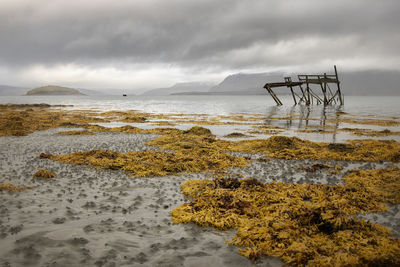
[102,217]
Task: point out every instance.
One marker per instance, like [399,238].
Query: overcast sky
[156,43]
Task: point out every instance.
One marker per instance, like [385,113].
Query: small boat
[123,94]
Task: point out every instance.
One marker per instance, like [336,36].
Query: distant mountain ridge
[368,82]
[91,92]
[245,83]
[181,88]
[53,90]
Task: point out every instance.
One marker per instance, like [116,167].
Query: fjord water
[292,119]
[215,104]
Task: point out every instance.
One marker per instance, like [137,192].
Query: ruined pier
[305,94]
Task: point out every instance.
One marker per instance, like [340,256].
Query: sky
[147,44]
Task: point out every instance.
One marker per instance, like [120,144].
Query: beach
[98,217]
[94,216]
[199,133]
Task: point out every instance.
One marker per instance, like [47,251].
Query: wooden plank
[320,80]
[282,84]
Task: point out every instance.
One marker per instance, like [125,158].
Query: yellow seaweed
[369,132]
[17,120]
[12,188]
[193,153]
[294,148]
[302,224]
[42,173]
[76,133]
[197,149]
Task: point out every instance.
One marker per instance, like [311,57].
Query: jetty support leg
[323,86]
[294,97]
[308,102]
[278,102]
[304,98]
[338,86]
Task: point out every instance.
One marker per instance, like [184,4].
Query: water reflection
[315,121]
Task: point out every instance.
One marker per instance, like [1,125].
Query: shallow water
[293,118]
[87,216]
[216,104]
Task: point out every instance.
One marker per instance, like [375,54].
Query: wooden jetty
[305,94]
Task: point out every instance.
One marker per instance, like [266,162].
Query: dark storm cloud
[156,43]
[188,33]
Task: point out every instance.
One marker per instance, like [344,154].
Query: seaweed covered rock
[235,135]
[282,142]
[26,119]
[293,148]
[153,163]
[43,173]
[197,130]
[301,224]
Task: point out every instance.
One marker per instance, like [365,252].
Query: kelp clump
[315,167]
[21,120]
[291,148]
[43,173]
[153,163]
[384,182]
[76,133]
[132,129]
[297,149]
[301,224]
[369,132]
[12,188]
[235,135]
[193,152]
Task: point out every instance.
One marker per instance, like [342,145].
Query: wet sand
[90,217]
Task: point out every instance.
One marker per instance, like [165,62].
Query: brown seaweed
[12,188]
[302,224]
[43,173]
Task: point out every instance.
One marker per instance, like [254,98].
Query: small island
[53,90]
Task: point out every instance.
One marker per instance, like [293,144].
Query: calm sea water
[221,105]
[374,106]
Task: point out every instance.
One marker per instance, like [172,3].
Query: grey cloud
[191,33]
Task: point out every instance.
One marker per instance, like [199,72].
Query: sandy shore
[95,217]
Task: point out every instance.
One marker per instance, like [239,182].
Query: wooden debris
[307,95]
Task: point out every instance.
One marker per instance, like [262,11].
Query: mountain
[246,83]
[53,90]
[368,82]
[92,92]
[181,88]
[7,90]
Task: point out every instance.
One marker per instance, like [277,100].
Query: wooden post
[294,97]
[304,98]
[308,91]
[324,89]
[338,86]
[288,80]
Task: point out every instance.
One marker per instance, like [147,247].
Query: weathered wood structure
[305,94]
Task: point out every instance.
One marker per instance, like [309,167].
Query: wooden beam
[278,102]
[338,86]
